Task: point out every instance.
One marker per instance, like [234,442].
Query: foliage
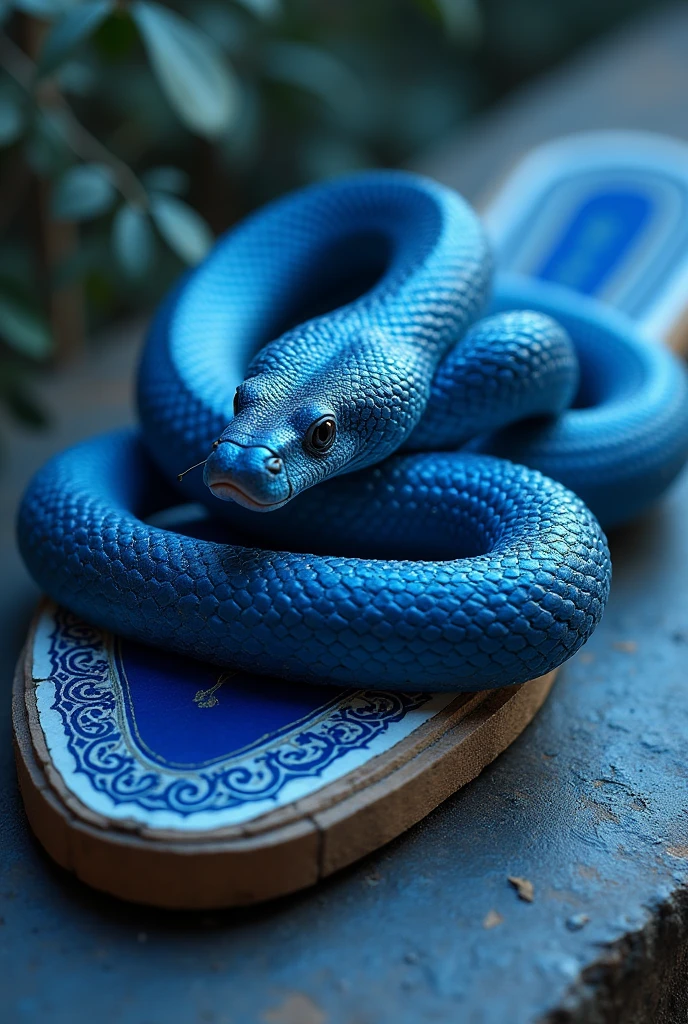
[149,121]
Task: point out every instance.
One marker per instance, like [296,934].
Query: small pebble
[576,922]
[524,888]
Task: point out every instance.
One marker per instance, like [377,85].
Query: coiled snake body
[334,340]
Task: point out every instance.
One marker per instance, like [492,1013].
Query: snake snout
[251,475]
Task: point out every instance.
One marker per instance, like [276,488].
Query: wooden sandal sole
[274,853]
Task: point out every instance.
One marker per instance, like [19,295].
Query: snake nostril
[274,465]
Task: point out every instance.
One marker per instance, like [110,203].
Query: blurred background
[131,133]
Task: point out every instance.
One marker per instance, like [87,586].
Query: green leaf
[77,25]
[45,8]
[5,10]
[462,19]
[314,69]
[78,77]
[225,23]
[241,146]
[11,120]
[166,179]
[84,192]
[191,69]
[46,148]
[24,328]
[184,230]
[265,9]
[117,37]
[133,240]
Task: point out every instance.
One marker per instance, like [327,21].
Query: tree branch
[83,144]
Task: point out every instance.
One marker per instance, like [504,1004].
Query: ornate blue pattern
[89,699]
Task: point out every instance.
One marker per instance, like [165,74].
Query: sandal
[166,781]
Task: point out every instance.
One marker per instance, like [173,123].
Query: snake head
[310,410]
[250,474]
[268,454]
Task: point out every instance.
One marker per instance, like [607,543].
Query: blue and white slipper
[165,781]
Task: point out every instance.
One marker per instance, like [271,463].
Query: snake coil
[328,365]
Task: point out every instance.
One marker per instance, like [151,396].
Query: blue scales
[398,579]
[341,582]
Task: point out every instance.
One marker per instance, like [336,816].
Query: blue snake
[342,362]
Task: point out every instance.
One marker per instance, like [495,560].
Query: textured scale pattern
[420,246]
[526,602]
[509,367]
[431,568]
[625,439]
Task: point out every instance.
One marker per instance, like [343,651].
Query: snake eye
[236,401]
[320,435]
